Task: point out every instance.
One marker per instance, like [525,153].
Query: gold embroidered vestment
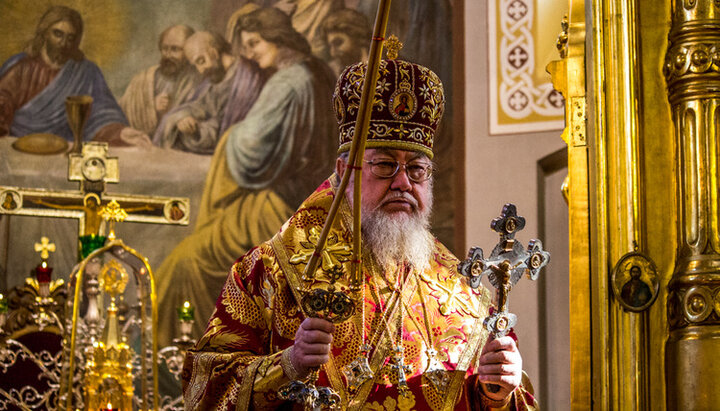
[237,363]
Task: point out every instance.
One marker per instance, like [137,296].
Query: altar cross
[44,247]
[506,264]
[92,169]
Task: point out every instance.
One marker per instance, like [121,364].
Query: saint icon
[636,292]
[9,202]
[403,107]
[635,282]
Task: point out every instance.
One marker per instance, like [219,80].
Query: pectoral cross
[402,370]
[92,169]
[505,266]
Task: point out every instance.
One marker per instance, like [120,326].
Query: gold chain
[386,313]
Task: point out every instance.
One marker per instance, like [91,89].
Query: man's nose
[401,181]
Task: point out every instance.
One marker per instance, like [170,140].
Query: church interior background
[598,119]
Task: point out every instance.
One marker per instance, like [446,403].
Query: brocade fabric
[237,363]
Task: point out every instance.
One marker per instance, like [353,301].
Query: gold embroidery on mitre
[339,108]
[433,94]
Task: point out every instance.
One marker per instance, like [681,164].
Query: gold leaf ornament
[334,253]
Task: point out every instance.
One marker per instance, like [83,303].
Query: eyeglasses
[416,172]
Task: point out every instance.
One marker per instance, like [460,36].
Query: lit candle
[186,312]
[43,273]
[3,304]
[109,407]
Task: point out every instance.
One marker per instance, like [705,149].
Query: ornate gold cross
[393,46]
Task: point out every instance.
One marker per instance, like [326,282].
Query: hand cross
[506,264]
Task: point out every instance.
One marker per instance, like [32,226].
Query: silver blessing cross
[505,266]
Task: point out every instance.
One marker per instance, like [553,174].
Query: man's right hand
[312,345]
[162,102]
[188,125]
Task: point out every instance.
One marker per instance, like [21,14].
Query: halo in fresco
[105,27]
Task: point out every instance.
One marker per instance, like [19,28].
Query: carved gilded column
[618,260]
[692,72]
[619,237]
[568,77]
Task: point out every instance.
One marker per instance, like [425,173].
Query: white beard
[396,238]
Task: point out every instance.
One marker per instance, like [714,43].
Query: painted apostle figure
[233,83]
[346,32]
[262,168]
[161,87]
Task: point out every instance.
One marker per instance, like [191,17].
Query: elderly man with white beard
[415,338]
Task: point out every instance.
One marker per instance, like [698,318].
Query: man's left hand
[187,125]
[500,364]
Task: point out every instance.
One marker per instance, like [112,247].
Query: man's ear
[340,167]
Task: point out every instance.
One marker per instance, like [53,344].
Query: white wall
[499,170]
